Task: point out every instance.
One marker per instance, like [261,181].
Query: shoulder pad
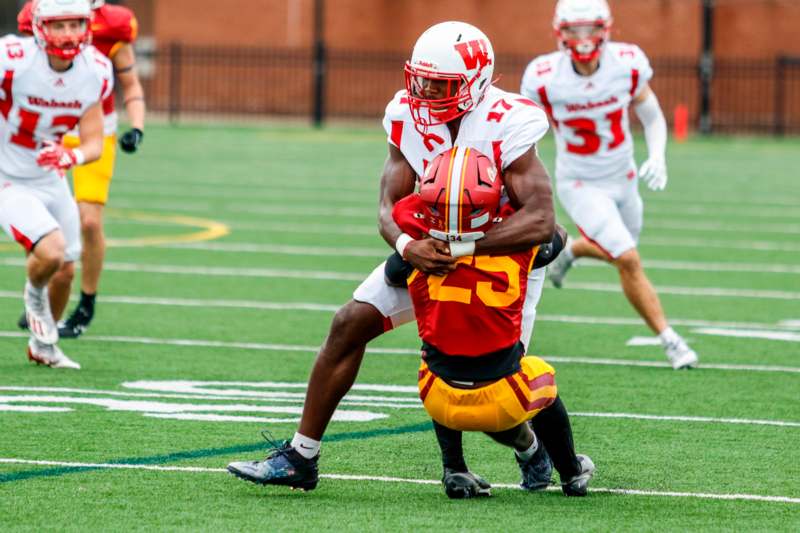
[25,19]
[626,53]
[397,108]
[115,23]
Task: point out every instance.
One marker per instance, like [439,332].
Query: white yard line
[363,209]
[702,419]
[321,275]
[411,481]
[401,351]
[379,253]
[786,325]
[786,336]
[275,392]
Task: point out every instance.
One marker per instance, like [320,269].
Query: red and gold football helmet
[461,190]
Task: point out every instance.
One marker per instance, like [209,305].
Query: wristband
[461,249]
[79,157]
[401,243]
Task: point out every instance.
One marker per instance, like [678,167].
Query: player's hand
[131,139]
[430,256]
[56,157]
[654,173]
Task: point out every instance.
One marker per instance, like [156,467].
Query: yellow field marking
[208,230]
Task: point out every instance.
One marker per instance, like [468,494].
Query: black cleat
[460,485]
[74,326]
[283,466]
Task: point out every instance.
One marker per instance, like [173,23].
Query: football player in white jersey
[587,88]
[50,84]
[449,100]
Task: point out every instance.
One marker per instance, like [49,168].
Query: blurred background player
[52,83]
[474,374]
[586,88]
[449,99]
[114,30]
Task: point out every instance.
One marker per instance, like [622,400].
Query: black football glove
[131,140]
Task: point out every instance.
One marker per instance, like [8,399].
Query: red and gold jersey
[474,310]
[112,27]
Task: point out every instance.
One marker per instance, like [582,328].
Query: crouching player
[474,374]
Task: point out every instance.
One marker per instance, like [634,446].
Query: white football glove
[654,173]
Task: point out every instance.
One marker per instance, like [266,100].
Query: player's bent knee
[91,223]
[50,249]
[356,323]
[629,262]
[65,274]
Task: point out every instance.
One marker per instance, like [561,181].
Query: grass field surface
[232,248]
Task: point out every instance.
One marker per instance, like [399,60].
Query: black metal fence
[747,96]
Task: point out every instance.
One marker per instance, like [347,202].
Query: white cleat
[578,485]
[557,270]
[680,355]
[40,319]
[49,355]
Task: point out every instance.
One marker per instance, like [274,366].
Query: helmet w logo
[474,53]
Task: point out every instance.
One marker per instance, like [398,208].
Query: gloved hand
[55,156]
[131,139]
[654,173]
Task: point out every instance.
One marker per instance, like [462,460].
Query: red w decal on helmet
[475,54]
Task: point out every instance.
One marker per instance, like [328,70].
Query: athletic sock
[668,336]
[552,427]
[525,455]
[451,445]
[308,448]
[567,252]
[38,292]
[87,303]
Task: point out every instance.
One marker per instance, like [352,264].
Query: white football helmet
[582,27]
[449,72]
[46,11]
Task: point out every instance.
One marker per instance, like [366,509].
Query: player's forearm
[655,125]
[133,96]
[521,231]
[388,228]
[91,148]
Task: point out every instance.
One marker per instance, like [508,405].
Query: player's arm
[528,187]
[90,130]
[132,94]
[654,170]
[56,156]
[397,181]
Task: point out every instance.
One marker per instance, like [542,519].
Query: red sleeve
[25,19]
[408,214]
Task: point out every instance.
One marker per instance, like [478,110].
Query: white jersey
[38,104]
[590,113]
[503,126]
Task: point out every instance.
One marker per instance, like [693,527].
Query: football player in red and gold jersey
[474,374]
[114,30]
